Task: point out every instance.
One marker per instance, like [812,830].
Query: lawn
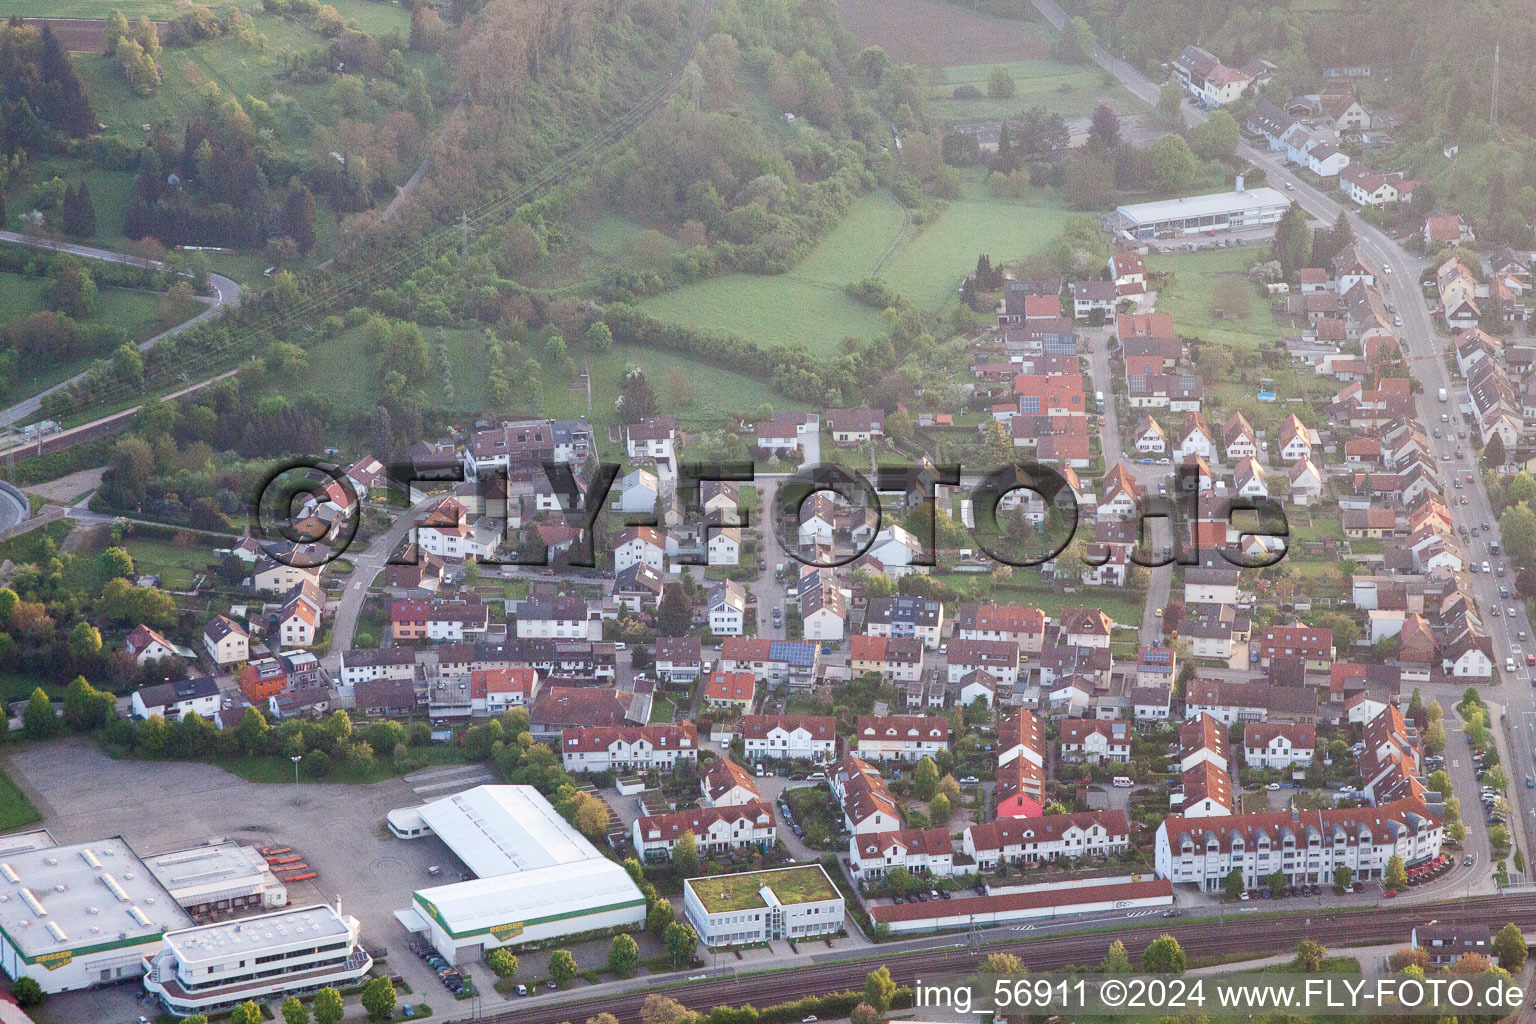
[928,266]
[806,306]
[722,893]
[15,809]
[1188,296]
[176,566]
[1071,90]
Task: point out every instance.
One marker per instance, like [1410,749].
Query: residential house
[226,641]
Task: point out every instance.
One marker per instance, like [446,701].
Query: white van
[1122,782]
[1509,664]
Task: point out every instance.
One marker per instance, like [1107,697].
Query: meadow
[806,306]
[924,263]
[1188,297]
[1071,90]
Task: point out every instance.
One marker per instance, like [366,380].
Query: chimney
[1239,187]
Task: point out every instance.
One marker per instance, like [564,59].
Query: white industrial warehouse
[536,877]
[1237,210]
[79,915]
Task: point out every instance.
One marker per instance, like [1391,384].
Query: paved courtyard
[339,830]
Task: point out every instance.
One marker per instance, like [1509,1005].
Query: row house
[714,829]
[1043,840]
[999,658]
[923,852]
[639,747]
[1205,792]
[1096,741]
[497,690]
[1230,702]
[438,620]
[792,663]
[901,737]
[1181,393]
[790,737]
[823,612]
[898,659]
[1023,625]
[1151,354]
[1279,745]
[907,617]
[565,617]
[1307,847]
[1202,739]
[1207,79]
[365,663]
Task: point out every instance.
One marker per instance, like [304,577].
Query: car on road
[1390,894]
[1387,269]
[969,780]
[1466,861]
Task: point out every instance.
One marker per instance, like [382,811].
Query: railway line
[1206,937]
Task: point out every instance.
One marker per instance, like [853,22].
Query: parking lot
[162,806]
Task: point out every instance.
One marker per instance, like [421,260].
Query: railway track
[1200,938]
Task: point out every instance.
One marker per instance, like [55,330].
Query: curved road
[12,512]
[226,293]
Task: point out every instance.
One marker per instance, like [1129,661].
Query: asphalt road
[12,512]
[226,293]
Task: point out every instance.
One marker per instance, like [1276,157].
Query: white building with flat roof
[218,877]
[796,902]
[291,951]
[536,877]
[81,915]
[1194,215]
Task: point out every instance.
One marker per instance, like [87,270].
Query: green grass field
[1070,90]
[1189,294]
[806,306]
[929,265]
[174,565]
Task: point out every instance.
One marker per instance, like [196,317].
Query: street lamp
[296,758]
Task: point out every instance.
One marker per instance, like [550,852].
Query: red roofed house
[922,851]
[1089,739]
[1312,644]
[727,784]
[604,748]
[1043,840]
[1278,745]
[714,829]
[730,690]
